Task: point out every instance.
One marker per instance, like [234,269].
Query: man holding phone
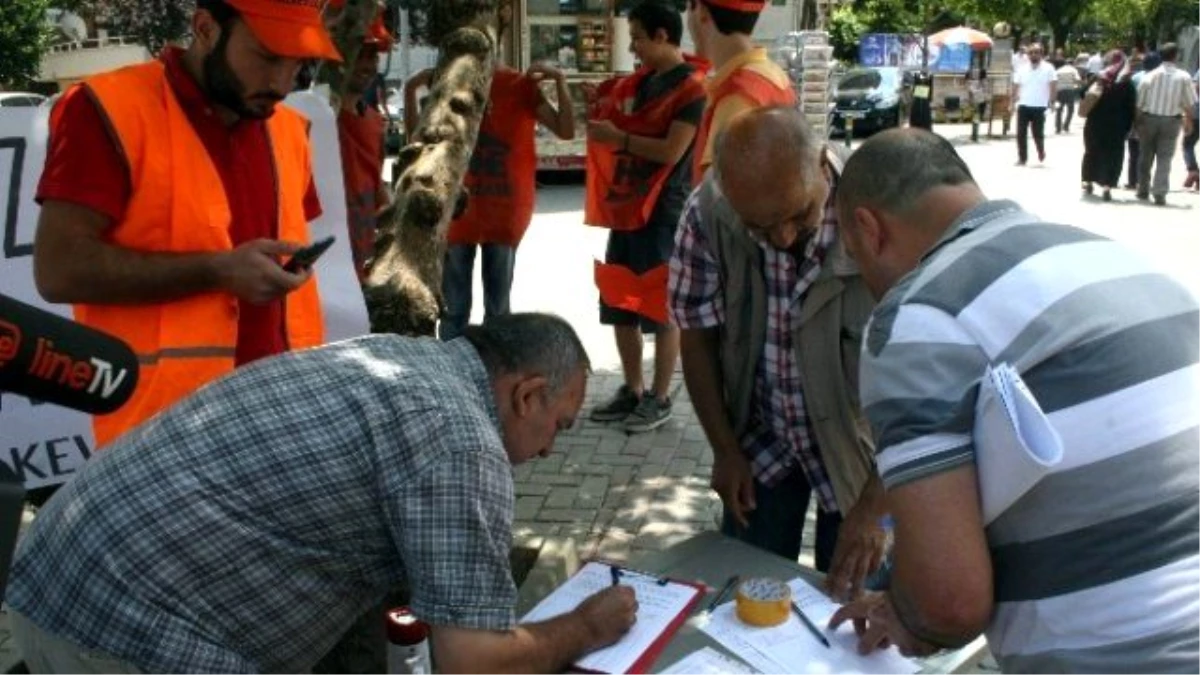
[172,191]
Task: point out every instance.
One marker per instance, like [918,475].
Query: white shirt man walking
[1165,99]
[1036,87]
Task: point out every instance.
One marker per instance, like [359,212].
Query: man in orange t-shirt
[744,76]
[499,184]
[360,137]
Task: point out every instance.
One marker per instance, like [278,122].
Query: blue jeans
[458,278]
[1189,147]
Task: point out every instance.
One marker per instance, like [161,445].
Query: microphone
[48,358]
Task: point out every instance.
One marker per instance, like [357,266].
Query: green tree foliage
[24,34]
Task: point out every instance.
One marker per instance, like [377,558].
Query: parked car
[20,99]
[872,97]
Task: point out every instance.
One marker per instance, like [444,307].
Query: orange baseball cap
[290,28]
[739,5]
[377,33]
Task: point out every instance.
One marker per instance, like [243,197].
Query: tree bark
[403,288]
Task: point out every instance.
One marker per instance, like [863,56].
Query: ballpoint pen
[811,627]
[720,597]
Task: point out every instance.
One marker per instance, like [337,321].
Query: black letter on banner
[20,463]
[55,455]
[11,248]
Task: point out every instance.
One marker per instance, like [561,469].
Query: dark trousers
[1028,116]
[1066,101]
[1131,170]
[778,521]
[1189,148]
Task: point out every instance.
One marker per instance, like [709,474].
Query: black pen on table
[811,627]
[724,592]
[616,574]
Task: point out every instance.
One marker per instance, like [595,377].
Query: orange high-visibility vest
[742,82]
[178,204]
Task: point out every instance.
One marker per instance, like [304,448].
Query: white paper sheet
[1015,444]
[791,648]
[658,606]
[708,661]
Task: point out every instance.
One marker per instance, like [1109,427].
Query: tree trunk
[403,289]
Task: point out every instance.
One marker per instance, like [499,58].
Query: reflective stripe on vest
[177,204]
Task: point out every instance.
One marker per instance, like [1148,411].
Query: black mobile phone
[308,255]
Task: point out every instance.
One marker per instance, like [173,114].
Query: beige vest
[832,316]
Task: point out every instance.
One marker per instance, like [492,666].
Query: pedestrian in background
[1036,85]
[360,139]
[1137,66]
[1165,99]
[1067,77]
[1109,122]
[1189,142]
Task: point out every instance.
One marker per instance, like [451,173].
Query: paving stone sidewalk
[616,494]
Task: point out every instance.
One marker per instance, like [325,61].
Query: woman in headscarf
[1108,123]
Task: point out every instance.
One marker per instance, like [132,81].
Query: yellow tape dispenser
[763,602]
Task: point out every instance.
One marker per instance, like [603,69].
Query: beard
[226,89]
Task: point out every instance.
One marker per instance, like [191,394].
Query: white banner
[43,443]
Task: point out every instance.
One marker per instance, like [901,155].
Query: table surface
[712,558]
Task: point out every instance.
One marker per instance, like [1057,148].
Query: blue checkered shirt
[247,527]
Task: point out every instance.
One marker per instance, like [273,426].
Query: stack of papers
[662,607]
[791,648]
[1015,444]
[708,661]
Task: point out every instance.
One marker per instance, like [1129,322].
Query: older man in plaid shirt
[246,528]
[771,312]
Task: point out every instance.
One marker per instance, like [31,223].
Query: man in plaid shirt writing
[772,311]
[244,529]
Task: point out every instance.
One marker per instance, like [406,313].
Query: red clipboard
[651,653]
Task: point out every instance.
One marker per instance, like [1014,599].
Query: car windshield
[868,79]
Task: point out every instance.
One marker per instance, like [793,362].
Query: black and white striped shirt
[1166,91]
[1095,567]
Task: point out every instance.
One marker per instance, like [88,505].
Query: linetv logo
[10,342]
[95,375]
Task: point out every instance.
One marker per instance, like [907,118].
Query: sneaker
[617,408]
[650,414]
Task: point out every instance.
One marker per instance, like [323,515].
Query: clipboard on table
[664,605]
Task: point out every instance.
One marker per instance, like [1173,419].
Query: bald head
[777,138]
[768,163]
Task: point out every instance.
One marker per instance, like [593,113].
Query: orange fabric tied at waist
[644,294]
[622,188]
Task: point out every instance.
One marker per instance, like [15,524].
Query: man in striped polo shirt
[1165,98]
[1095,568]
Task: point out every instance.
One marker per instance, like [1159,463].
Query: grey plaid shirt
[248,526]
